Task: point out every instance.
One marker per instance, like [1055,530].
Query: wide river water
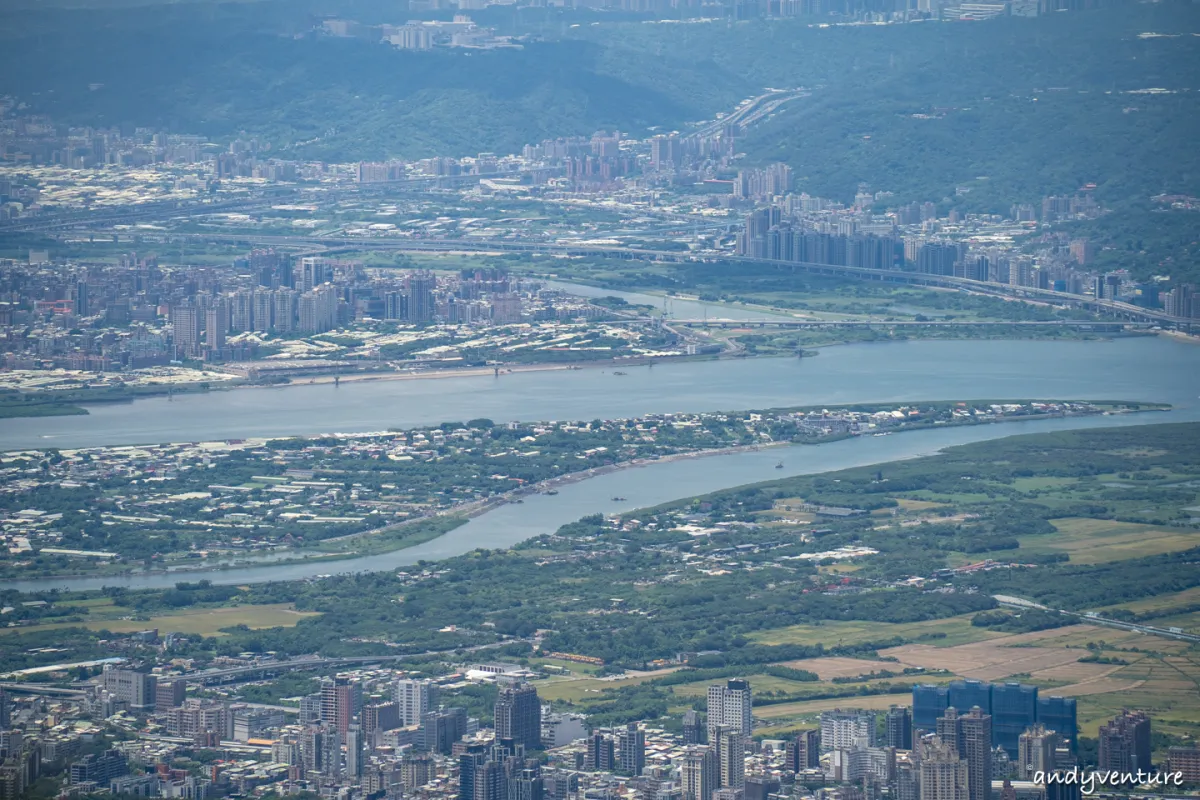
[1143,368]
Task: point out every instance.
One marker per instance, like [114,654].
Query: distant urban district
[146,258]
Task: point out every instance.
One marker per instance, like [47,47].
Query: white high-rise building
[313,272]
[285,311]
[263,313]
[241,311]
[847,729]
[185,327]
[729,706]
[943,773]
[354,753]
[415,697]
[731,757]
[216,326]
[700,773]
[1036,748]
[318,310]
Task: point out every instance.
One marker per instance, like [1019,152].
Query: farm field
[1188,622]
[956,630]
[1164,602]
[995,659]
[573,667]
[1104,669]
[577,690]
[1166,686]
[1094,541]
[764,685]
[1158,675]
[916,505]
[210,622]
[199,622]
[840,667]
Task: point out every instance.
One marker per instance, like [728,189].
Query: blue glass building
[1058,715]
[929,703]
[965,695]
[1014,708]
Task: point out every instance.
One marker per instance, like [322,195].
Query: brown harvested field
[986,663]
[1098,686]
[1054,633]
[996,659]
[1075,673]
[1080,635]
[838,667]
[1162,676]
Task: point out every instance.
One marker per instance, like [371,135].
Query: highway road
[1087,325]
[1091,618]
[40,688]
[756,109]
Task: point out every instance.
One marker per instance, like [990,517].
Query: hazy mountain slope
[1036,106]
[223,70]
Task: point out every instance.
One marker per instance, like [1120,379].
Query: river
[641,486]
[1139,368]
[1144,368]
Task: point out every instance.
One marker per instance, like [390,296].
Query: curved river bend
[1144,368]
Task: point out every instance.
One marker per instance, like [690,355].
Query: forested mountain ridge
[265,73]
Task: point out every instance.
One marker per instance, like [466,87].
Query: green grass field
[574,667]
[1167,687]
[958,498]
[577,690]
[1094,541]
[916,505]
[762,685]
[1189,622]
[201,622]
[958,630]
[1041,483]
[1162,602]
